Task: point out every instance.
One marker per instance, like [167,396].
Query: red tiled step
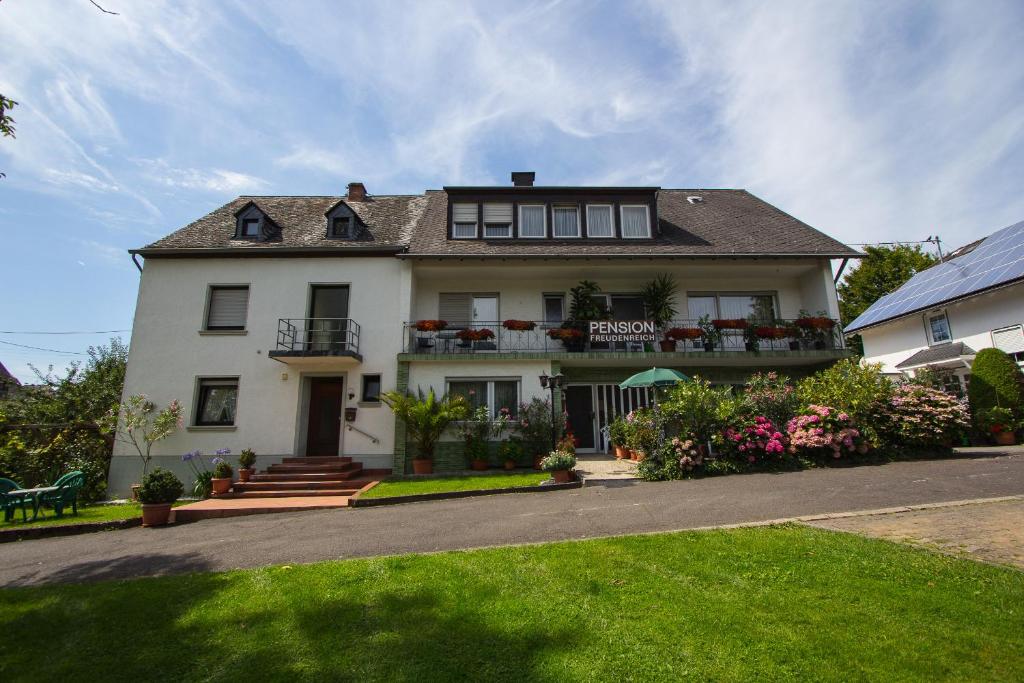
[308,476]
[315,460]
[234,507]
[291,485]
[294,493]
[312,469]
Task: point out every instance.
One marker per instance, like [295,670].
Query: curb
[11,535]
[445,495]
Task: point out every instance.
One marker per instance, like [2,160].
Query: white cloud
[209,180]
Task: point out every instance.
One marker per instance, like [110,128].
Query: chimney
[356,192]
[523,178]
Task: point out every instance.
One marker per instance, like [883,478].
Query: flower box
[519,325]
[730,324]
[565,333]
[431,325]
[475,335]
[683,333]
[771,332]
[815,322]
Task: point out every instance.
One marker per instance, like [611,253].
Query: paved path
[991,532]
[617,508]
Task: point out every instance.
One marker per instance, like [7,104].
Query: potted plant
[519,325]
[816,330]
[159,489]
[751,340]
[583,307]
[559,463]
[246,460]
[511,453]
[426,341]
[683,334]
[1000,423]
[535,427]
[773,332]
[202,486]
[618,435]
[425,418]
[658,296]
[139,424]
[477,430]
[220,483]
[711,334]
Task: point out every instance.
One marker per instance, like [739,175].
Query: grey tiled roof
[6,377]
[388,221]
[937,354]
[726,222]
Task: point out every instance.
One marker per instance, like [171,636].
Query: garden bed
[403,490]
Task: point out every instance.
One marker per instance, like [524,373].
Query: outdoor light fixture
[551,383]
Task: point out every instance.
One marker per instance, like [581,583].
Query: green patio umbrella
[655,377]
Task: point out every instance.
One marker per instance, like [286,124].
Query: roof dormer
[342,222]
[253,224]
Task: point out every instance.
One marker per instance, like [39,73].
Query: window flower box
[683,333]
[431,325]
[730,324]
[519,325]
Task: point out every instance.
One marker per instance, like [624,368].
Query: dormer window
[464,220]
[342,222]
[498,221]
[250,227]
[566,221]
[533,220]
[599,220]
[341,227]
[252,224]
[636,221]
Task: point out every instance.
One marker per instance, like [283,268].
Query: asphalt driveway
[618,508]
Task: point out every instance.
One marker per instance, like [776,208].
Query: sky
[872,121]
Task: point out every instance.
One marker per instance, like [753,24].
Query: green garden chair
[10,502]
[65,493]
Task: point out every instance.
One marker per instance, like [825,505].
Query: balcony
[795,337]
[317,341]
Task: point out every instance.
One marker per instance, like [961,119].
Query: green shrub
[920,417]
[512,449]
[698,409]
[558,460]
[862,391]
[160,486]
[221,469]
[995,382]
[771,395]
[246,459]
[618,431]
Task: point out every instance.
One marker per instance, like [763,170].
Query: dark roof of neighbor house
[937,354]
[722,223]
[6,377]
[995,261]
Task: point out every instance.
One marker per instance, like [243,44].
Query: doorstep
[236,507]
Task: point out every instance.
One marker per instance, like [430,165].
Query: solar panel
[998,259]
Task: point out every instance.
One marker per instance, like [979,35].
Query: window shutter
[227,308]
[1010,340]
[464,213]
[456,308]
[497,213]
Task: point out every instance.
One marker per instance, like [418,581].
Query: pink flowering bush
[771,395]
[687,452]
[821,430]
[755,440]
[920,416]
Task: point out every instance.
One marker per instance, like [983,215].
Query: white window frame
[508,234]
[611,220]
[490,389]
[622,221]
[456,223]
[544,212]
[928,327]
[579,226]
[544,307]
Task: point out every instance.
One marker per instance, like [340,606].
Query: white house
[277,321]
[973,299]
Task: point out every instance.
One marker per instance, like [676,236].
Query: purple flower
[217,461]
[223,451]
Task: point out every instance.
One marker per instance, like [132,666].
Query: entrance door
[323,435]
[328,308]
[579,404]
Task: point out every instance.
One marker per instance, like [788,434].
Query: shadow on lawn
[125,567]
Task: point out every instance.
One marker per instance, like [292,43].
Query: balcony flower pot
[667,345]
[220,485]
[562,476]
[156,514]
[478,465]
[519,325]
[510,464]
[1004,438]
[422,466]
[245,474]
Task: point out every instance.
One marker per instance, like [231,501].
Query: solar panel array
[998,259]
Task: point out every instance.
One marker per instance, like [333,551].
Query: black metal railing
[682,336]
[317,336]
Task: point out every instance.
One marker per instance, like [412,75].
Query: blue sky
[869,120]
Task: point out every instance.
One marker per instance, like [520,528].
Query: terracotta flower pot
[510,464]
[478,465]
[220,485]
[621,452]
[155,514]
[639,456]
[422,466]
[536,461]
[1004,438]
[562,476]
[244,475]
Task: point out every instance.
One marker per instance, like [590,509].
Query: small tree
[138,423]
[425,416]
[995,382]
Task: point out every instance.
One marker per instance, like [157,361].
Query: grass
[787,603]
[411,487]
[86,514]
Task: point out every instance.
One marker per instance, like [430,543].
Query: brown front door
[323,436]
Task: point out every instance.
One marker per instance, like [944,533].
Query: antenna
[937,241]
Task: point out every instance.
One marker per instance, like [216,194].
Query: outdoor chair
[10,502]
[65,493]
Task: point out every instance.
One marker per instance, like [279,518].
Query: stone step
[334,483]
[295,493]
[234,507]
[308,476]
[313,469]
[318,459]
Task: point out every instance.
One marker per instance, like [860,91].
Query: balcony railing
[317,337]
[493,337]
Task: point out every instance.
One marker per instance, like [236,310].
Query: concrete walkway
[613,509]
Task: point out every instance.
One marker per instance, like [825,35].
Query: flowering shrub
[688,453]
[519,325]
[475,335]
[565,333]
[138,423]
[861,391]
[771,395]
[824,430]
[644,431]
[755,440]
[922,416]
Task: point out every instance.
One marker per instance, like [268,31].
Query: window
[731,306]
[938,329]
[599,220]
[533,221]
[636,221]
[464,218]
[341,227]
[1010,340]
[371,389]
[554,308]
[227,307]
[493,393]
[566,221]
[250,227]
[216,402]
[497,220]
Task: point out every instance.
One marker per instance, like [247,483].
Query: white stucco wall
[970,321]
[168,354]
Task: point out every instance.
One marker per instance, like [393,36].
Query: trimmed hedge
[995,381]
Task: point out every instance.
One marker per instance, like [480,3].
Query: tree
[883,271]
[995,383]
[6,122]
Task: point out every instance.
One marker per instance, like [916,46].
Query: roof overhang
[627,256]
[266,252]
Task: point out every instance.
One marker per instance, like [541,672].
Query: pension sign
[622,331]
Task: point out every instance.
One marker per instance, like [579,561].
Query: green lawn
[786,603]
[91,513]
[410,487]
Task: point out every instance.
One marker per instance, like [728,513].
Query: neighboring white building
[942,316]
[276,321]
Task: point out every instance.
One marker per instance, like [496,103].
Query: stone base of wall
[450,456]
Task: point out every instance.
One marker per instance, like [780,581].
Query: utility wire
[39,348]
[94,332]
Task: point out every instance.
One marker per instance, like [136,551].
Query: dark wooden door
[579,404]
[323,435]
